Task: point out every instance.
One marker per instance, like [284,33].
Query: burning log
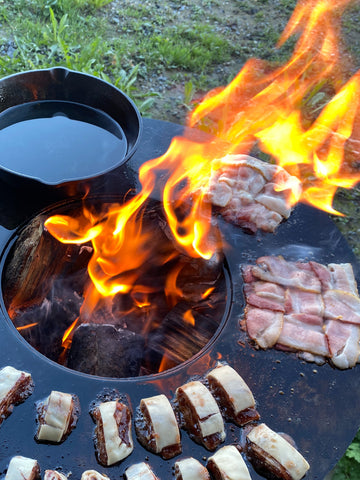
[181,335]
[32,267]
[106,350]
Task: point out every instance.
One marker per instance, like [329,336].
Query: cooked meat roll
[228,464]
[201,414]
[232,394]
[157,428]
[93,475]
[113,437]
[190,469]
[140,471]
[269,451]
[54,475]
[23,468]
[57,416]
[15,387]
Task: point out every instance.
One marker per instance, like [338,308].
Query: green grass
[195,45]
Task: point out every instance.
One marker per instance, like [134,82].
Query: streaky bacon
[264,326]
[343,340]
[288,274]
[340,305]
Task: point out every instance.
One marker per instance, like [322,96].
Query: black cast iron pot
[52,160]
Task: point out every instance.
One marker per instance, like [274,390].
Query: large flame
[263,106]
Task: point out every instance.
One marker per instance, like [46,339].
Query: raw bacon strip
[15,387]
[157,428]
[343,278]
[263,326]
[56,417]
[113,438]
[289,274]
[340,305]
[140,471]
[343,340]
[269,450]
[201,414]
[228,464]
[54,475]
[265,295]
[190,469]
[299,335]
[232,394]
[93,475]
[299,301]
[23,468]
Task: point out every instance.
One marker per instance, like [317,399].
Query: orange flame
[25,327]
[264,106]
[189,318]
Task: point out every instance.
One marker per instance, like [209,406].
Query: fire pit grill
[295,397]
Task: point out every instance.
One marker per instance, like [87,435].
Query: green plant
[349,466]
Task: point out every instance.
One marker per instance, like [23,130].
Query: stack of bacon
[252,193]
[304,307]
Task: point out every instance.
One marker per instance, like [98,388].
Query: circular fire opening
[171,311]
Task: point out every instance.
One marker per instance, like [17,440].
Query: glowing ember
[263,106]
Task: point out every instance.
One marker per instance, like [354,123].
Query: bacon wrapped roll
[232,394]
[57,416]
[157,428]
[190,469]
[15,387]
[93,475]
[228,464]
[23,468]
[113,436]
[269,451]
[140,471]
[54,475]
[201,414]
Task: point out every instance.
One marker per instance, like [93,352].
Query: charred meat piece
[232,394]
[140,471]
[271,453]
[54,475]
[15,387]
[201,414]
[57,416]
[190,469]
[228,464]
[93,475]
[157,428]
[23,468]
[113,437]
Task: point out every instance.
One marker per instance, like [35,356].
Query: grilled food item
[272,453]
[23,468]
[305,307]
[190,469]
[228,464]
[251,193]
[201,415]
[113,436]
[15,387]
[93,475]
[57,416]
[140,471]
[54,475]
[234,397]
[157,428]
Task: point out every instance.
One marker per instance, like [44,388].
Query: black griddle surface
[317,405]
